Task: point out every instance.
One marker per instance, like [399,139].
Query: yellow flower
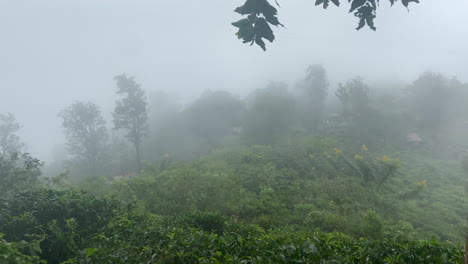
[387,159]
[364,148]
[358,157]
[338,151]
[422,183]
[166,156]
[311,156]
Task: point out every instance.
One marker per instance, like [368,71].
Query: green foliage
[58,181]
[373,225]
[206,221]
[133,236]
[18,172]
[304,201]
[152,240]
[261,14]
[11,252]
[179,190]
[62,220]
[311,185]
[98,186]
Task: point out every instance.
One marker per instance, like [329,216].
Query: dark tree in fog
[85,131]
[354,97]
[9,140]
[314,88]
[260,15]
[131,113]
[429,98]
[270,114]
[213,115]
[362,123]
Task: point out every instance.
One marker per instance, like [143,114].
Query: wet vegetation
[307,173]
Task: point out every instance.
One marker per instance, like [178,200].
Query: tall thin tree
[315,89]
[131,113]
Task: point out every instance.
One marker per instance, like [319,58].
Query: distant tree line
[428,114]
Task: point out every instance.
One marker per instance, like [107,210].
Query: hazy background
[54,52]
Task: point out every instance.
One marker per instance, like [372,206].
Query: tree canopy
[85,131]
[260,15]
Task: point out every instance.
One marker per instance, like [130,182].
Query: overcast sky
[54,52]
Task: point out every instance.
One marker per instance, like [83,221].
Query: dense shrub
[62,220]
[18,171]
[10,252]
[206,221]
[150,240]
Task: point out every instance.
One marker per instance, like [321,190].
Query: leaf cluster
[261,14]
[256,27]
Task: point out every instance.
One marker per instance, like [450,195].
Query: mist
[138,121]
[55,52]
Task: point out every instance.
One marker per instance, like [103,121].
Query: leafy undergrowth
[153,241]
[314,185]
[132,235]
[10,252]
[310,202]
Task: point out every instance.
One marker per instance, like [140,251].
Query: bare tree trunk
[137,148]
